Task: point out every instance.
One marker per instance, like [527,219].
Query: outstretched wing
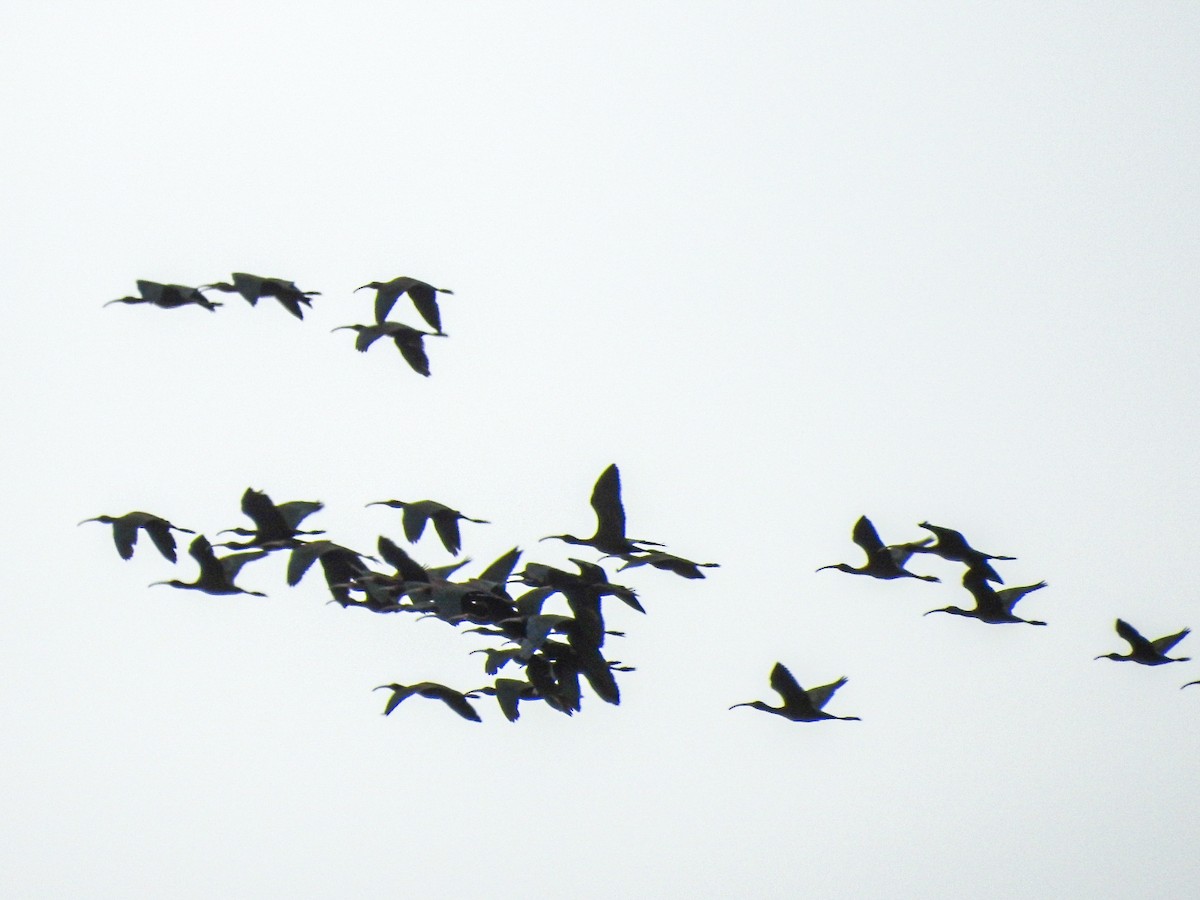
[606,501]
[866,536]
[819,696]
[1163,644]
[789,689]
[1131,634]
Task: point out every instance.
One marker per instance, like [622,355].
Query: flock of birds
[553,650]
[409,341]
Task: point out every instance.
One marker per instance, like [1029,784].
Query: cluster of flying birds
[991,605]
[410,341]
[552,650]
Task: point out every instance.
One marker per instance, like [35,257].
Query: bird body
[668,562]
[610,520]
[167,296]
[422,294]
[126,527]
[276,525]
[953,546]
[410,341]
[799,705]
[992,606]
[1146,652]
[445,520]
[254,287]
[216,575]
[882,561]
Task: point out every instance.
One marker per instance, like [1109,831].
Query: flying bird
[216,575]
[276,525]
[668,562]
[953,546]
[254,287]
[445,520]
[167,296]
[456,700]
[125,532]
[423,296]
[991,605]
[1148,653]
[882,561]
[610,520]
[799,705]
[410,341]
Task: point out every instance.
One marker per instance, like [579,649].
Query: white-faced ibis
[125,532]
[1148,653]
[610,520]
[445,520]
[167,296]
[456,700]
[799,705]
[953,546]
[423,296]
[216,575]
[276,525]
[254,287]
[668,562]
[410,341]
[882,561]
[991,605]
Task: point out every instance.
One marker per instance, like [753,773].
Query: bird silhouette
[167,296]
[125,532]
[799,705]
[276,525]
[953,546]
[216,575]
[668,562]
[991,605]
[882,561]
[1148,653]
[254,287]
[1182,686]
[456,700]
[610,520]
[410,341]
[423,296]
[445,520]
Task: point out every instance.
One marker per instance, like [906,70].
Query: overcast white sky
[784,263]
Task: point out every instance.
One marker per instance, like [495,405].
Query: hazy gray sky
[784,263]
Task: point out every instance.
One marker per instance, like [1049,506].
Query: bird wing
[456,700]
[125,535]
[151,291]
[265,515]
[784,684]
[819,696]
[233,563]
[408,568]
[606,501]
[412,348]
[296,511]
[424,298]
[400,693]
[414,519]
[1010,596]
[866,536]
[160,532]
[1163,644]
[500,570]
[1131,634]
[387,294]
[249,286]
[445,522]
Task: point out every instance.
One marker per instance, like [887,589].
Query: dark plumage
[216,575]
[1148,653]
[799,705]
[456,700]
[167,296]
[995,607]
[254,287]
[953,546]
[125,532]
[668,562]
[276,525]
[445,520]
[882,561]
[423,296]
[410,341]
[610,520]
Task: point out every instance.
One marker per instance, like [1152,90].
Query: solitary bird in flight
[456,700]
[610,520]
[167,296]
[276,525]
[423,296]
[254,287]
[126,527]
[799,705]
[991,605]
[1148,653]
[882,561]
[409,341]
